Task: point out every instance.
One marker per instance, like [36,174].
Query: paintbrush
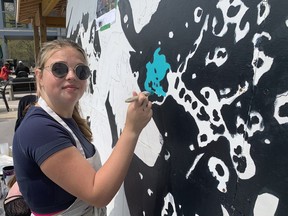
[134,98]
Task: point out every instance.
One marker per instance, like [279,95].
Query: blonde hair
[44,54]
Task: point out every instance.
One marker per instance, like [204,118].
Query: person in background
[24,103]
[14,203]
[21,67]
[57,168]
[5,71]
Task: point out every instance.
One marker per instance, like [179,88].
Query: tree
[22,50]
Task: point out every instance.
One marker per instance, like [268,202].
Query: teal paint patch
[156,72]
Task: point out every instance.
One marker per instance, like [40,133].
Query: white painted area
[215,59]
[169,199]
[198,157]
[259,71]
[142,12]
[281,100]
[224,6]
[150,192]
[198,14]
[75,11]
[222,179]
[225,212]
[263,15]
[148,146]
[114,78]
[266,205]
[119,204]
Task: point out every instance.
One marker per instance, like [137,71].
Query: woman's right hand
[139,113]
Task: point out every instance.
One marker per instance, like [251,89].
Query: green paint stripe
[105,27]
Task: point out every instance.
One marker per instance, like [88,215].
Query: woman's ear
[38,73]
[38,76]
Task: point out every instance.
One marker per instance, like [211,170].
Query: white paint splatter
[198,14]
[224,211]
[178,57]
[262,15]
[281,100]
[150,192]
[167,156]
[168,199]
[225,91]
[260,70]
[266,205]
[255,127]
[217,59]
[224,6]
[191,147]
[267,141]
[125,19]
[142,12]
[221,178]
[198,157]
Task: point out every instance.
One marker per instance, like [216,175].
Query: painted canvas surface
[218,76]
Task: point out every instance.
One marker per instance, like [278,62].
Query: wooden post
[43,27]
[36,40]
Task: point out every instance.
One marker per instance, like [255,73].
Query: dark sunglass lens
[82,72]
[59,69]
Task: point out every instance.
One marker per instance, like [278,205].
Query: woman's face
[64,91]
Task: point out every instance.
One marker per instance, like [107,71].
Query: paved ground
[7,121]
[7,124]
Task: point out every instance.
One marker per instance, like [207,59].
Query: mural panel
[217,72]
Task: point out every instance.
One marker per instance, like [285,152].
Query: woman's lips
[70,87]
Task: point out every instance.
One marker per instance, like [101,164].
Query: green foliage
[22,50]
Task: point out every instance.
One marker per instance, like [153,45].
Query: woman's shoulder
[36,114]
[38,126]
[36,118]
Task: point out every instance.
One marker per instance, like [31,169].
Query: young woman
[57,168]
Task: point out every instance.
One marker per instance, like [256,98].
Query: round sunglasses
[61,69]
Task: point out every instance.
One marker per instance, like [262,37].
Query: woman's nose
[71,74]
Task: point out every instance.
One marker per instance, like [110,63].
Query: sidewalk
[13,105]
[7,120]
[7,124]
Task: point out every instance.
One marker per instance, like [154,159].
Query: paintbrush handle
[134,98]
[131,99]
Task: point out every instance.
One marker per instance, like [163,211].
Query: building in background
[12,29]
